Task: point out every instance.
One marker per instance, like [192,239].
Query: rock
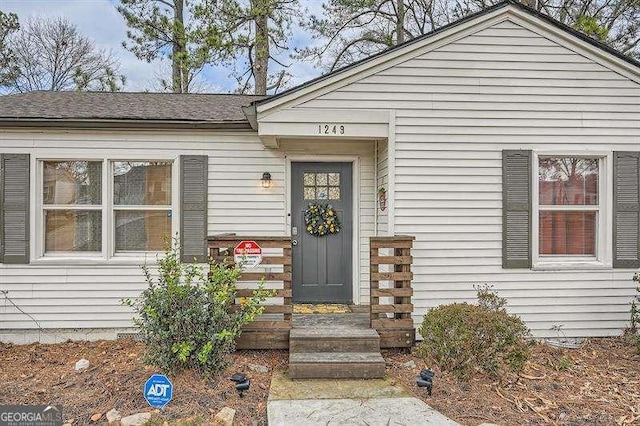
[224,417]
[96,417]
[262,386]
[82,365]
[113,415]
[137,419]
[257,368]
[409,365]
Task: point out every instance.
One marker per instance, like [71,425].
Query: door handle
[294,243]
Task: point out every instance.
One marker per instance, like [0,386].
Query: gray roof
[125,108]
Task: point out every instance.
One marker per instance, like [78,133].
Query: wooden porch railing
[390,262]
[272,332]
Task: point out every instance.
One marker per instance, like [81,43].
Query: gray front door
[322,264]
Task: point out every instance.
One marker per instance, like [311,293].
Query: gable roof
[496,7]
[125,109]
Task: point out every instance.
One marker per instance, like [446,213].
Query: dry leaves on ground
[44,374]
[596,384]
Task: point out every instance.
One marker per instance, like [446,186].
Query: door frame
[355,243]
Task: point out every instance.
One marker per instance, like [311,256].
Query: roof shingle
[125,106]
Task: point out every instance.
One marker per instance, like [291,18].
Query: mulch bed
[595,384]
[44,374]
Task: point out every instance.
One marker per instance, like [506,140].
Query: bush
[185,315]
[463,337]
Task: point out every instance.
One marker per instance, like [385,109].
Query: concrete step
[305,339]
[336,365]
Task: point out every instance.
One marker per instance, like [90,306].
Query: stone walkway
[346,402]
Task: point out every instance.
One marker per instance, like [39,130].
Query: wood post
[392,321]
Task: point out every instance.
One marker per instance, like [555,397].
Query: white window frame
[108,253]
[604,224]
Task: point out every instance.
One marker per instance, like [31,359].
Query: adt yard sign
[158,390]
[249,253]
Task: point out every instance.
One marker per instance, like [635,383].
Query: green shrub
[185,316]
[463,337]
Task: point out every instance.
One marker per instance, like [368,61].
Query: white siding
[457,107]
[87,296]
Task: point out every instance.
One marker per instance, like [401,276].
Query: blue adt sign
[158,390]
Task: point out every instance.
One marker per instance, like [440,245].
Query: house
[506,143]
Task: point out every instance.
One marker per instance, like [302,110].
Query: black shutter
[516,209]
[193,213]
[14,208]
[626,209]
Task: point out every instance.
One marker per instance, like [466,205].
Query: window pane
[334,193]
[141,183]
[568,181]
[568,233]
[309,179]
[142,230]
[309,192]
[322,193]
[321,179]
[73,230]
[72,182]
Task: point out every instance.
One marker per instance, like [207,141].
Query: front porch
[388,313]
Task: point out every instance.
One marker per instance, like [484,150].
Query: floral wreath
[321,219]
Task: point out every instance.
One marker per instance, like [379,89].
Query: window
[93,207]
[72,206]
[570,208]
[321,186]
[142,205]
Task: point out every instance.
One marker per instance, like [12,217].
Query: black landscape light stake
[425,379]
[242,383]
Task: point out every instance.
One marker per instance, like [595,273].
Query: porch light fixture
[266,180]
[425,379]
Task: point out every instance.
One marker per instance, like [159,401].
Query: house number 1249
[330,129]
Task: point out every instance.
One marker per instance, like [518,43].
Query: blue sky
[100,21]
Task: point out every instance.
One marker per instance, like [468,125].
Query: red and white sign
[248,253]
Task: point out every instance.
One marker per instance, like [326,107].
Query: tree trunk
[261,46]
[400,22]
[178,49]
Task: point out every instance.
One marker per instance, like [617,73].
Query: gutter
[122,124]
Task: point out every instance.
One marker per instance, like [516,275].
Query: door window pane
[309,193]
[321,179]
[138,230]
[568,233]
[72,182]
[334,193]
[73,230]
[309,179]
[141,183]
[322,193]
[568,181]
